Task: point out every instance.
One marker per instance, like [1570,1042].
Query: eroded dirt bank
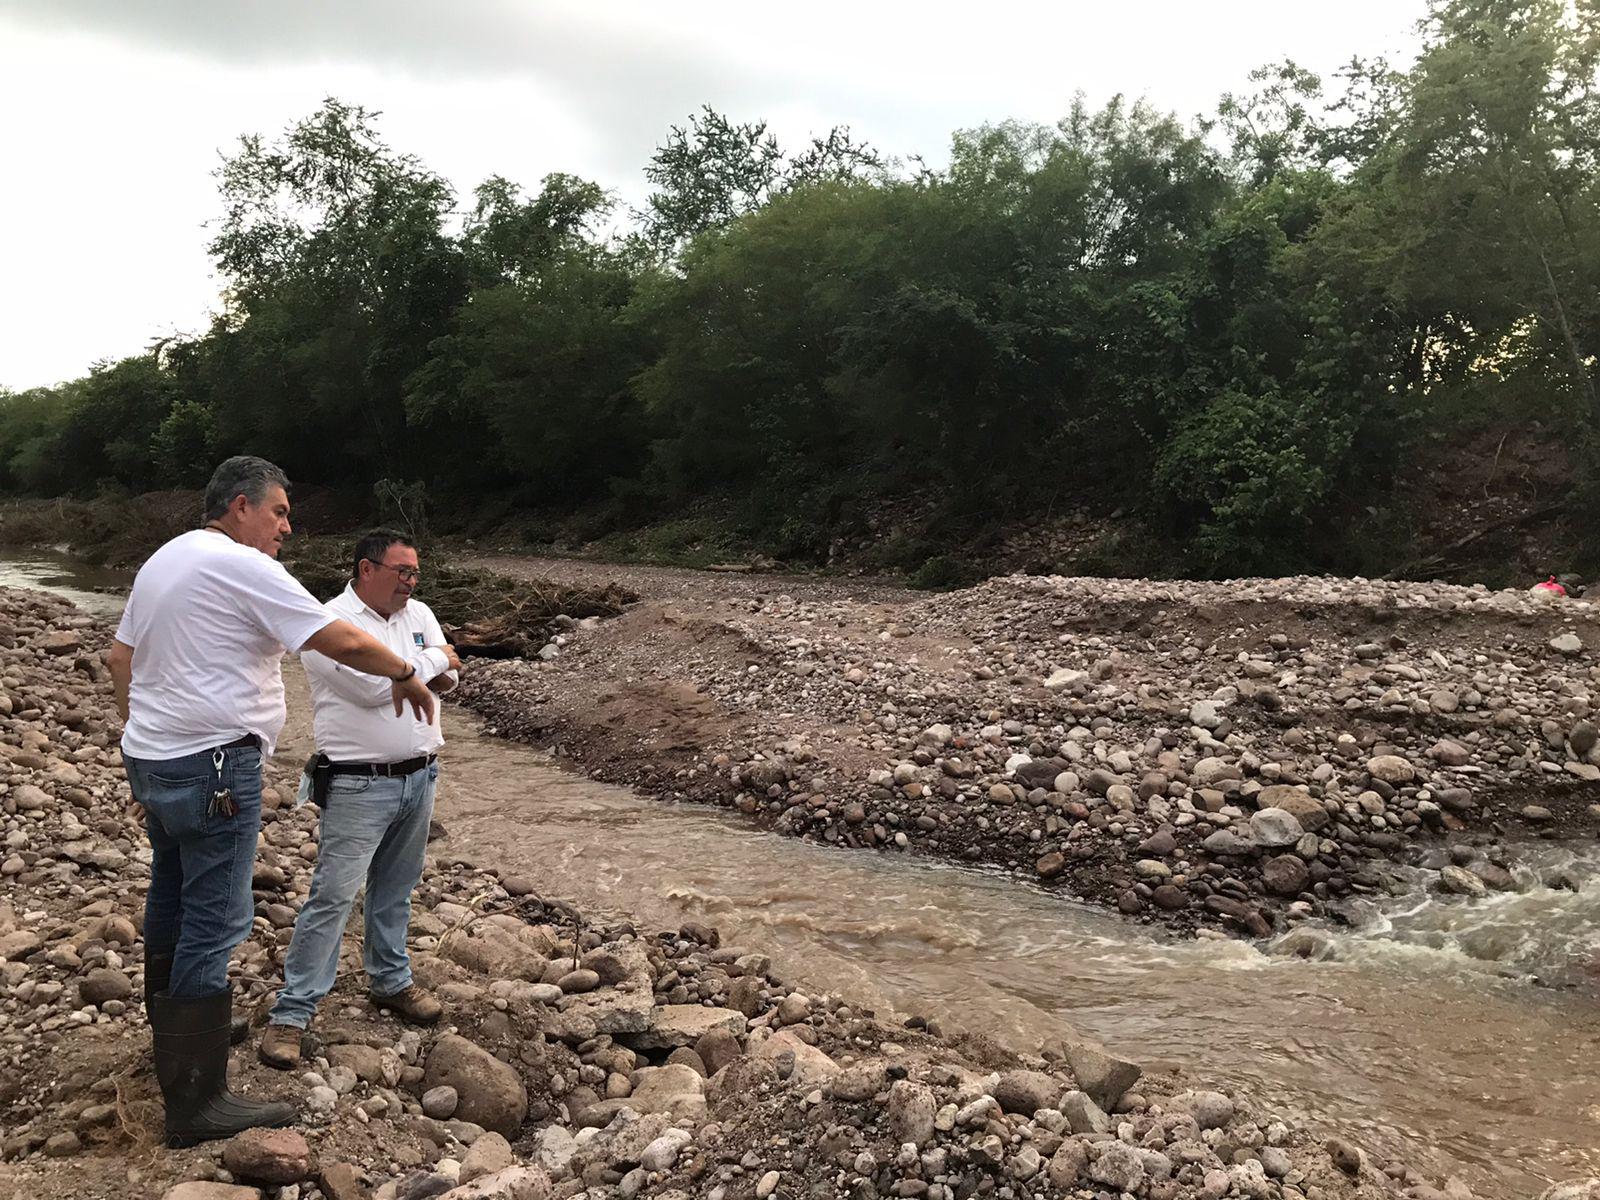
[1236,756]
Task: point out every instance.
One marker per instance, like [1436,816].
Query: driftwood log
[516,622]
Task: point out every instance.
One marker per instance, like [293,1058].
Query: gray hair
[242,475]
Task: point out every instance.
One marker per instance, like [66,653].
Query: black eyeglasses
[406,574]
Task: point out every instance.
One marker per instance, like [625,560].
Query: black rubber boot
[158,974]
[191,1050]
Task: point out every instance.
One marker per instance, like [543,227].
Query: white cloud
[117,111]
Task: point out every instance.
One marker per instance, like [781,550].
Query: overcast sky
[116,110]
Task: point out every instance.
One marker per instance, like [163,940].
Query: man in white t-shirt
[195,666]
[381,776]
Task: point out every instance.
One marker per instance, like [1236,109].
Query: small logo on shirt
[417,638]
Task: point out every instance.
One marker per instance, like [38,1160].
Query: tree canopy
[1238,328]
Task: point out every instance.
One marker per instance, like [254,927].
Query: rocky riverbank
[580,1056]
[1239,755]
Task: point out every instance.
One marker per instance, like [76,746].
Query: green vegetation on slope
[1240,332]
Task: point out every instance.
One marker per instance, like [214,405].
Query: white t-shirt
[209,620]
[353,711]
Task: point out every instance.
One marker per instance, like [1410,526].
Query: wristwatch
[410,671]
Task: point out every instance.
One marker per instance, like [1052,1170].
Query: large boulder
[859,1081]
[1461,882]
[198,1189]
[1275,828]
[1391,769]
[1119,1166]
[513,1183]
[811,1067]
[490,1092]
[1303,806]
[674,1025]
[1286,875]
[1026,1092]
[1101,1074]
[912,1107]
[488,1153]
[1068,1163]
[19,944]
[104,984]
[498,952]
[628,1007]
[676,1089]
[1083,1114]
[276,1156]
[717,1049]
[1210,1110]
[622,1142]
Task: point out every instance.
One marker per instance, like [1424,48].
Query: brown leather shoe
[414,1004]
[280,1047]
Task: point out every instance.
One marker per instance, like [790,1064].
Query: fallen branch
[1442,556]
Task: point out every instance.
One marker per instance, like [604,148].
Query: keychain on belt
[222,804]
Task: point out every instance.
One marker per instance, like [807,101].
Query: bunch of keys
[222,804]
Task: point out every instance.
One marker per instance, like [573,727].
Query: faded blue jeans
[199,906]
[373,830]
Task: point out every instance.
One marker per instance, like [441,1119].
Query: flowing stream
[1426,1034]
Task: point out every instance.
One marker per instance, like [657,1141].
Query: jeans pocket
[349,785]
[245,761]
[181,806]
[179,781]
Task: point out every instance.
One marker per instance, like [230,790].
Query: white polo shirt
[353,713]
[208,620]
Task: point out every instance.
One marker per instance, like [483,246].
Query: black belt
[392,770]
[239,743]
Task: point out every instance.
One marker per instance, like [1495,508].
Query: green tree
[508,238]
[342,273]
[31,424]
[1480,199]
[712,170]
[531,391]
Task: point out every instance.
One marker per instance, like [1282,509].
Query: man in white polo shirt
[195,668]
[382,775]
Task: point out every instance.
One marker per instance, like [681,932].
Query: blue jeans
[199,906]
[374,829]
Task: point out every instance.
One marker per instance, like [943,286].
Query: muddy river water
[1427,1033]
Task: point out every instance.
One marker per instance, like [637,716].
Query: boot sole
[183,1141]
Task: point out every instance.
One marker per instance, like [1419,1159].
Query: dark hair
[374,544]
[242,475]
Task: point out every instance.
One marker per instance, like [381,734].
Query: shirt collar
[361,605]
